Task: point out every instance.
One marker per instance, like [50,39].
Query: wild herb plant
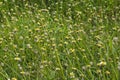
[59,39]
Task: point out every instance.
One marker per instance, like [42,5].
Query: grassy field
[59,40]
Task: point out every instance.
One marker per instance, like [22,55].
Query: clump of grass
[59,40]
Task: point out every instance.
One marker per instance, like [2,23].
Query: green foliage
[59,39]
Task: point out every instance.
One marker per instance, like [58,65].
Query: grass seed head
[17,59]
[102,63]
[14,78]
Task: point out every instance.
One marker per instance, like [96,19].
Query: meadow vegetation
[59,40]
